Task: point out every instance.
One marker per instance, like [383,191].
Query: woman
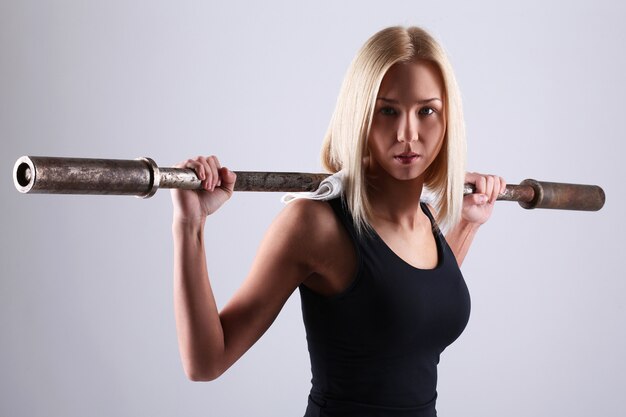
[381,290]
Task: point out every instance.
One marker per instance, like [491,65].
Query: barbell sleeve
[142,177]
[531,194]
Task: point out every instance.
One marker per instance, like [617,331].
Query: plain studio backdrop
[86,315]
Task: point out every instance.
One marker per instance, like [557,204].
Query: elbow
[202,363]
[197,373]
[202,376]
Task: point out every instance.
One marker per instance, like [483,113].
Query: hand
[192,206]
[477,207]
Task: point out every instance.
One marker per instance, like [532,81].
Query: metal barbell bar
[142,177]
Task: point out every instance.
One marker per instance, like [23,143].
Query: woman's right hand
[192,206]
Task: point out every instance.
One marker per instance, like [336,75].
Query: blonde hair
[345,144]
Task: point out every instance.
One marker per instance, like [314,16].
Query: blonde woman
[381,290]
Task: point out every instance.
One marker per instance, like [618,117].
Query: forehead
[412,80]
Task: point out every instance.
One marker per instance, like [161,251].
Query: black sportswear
[375,347]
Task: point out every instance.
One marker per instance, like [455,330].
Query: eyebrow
[427,100]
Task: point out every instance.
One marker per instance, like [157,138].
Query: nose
[407,128]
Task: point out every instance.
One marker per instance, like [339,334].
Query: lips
[406,157]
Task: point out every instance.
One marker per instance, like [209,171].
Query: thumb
[476,199]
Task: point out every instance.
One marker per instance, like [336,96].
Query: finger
[481,185]
[212,166]
[208,174]
[489,188]
[218,183]
[471,177]
[228,180]
[196,167]
[496,188]
[500,186]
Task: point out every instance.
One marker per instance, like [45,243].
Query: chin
[407,174]
[408,178]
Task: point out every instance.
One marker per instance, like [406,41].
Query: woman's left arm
[477,209]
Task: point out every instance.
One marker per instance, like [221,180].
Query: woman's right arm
[210,341]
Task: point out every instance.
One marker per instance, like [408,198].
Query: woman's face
[409,123]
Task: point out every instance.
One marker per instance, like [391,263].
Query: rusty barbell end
[51,175]
[23,174]
[562,196]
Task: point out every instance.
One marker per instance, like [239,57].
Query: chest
[393,305]
[405,293]
[418,249]
[410,298]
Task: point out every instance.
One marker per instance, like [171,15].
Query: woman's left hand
[477,207]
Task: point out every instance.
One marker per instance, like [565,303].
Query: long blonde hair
[345,144]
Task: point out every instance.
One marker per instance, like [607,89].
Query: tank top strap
[433,222]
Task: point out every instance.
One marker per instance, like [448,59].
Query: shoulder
[307,230]
[309,218]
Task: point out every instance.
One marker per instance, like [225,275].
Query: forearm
[460,239]
[199,329]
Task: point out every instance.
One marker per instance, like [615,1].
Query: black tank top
[375,347]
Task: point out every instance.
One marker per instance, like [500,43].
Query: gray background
[86,321]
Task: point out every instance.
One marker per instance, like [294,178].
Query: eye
[426,111]
[388,111]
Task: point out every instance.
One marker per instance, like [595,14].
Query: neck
[395,201]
